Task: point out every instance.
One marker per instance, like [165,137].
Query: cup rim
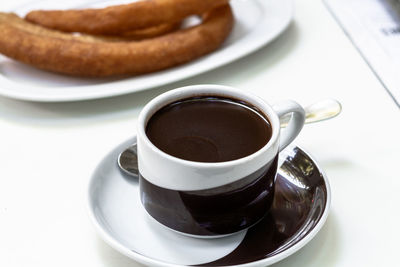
[207,89]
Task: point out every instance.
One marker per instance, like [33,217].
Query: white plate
[258,22]
[300,208]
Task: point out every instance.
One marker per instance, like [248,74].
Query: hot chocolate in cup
[208,157]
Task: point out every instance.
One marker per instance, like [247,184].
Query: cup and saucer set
[203,194]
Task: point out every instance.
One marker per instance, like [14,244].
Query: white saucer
[258,22]
[301,206]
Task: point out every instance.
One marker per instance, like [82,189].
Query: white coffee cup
[175,191]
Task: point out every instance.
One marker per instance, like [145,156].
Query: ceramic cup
[212,199]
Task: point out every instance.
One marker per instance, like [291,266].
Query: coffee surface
[208,129]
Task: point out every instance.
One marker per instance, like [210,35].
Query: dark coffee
[208,129]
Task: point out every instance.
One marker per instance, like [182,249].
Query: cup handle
[295,124]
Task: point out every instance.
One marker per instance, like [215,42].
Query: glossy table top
[49,151]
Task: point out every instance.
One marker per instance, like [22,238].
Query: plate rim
[111,241]
[6,85]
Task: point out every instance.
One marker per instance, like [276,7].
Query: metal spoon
[128,161]
[319,111]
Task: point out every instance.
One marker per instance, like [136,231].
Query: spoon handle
[319,111]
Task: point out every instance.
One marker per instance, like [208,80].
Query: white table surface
[48,152]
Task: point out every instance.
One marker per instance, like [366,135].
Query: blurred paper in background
[374,28]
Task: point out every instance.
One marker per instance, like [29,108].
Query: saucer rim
[142,259]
